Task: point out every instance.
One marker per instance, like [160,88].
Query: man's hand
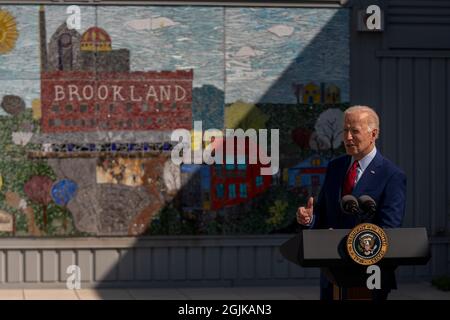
[304,214]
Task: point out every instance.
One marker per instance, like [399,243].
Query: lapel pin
[372,172]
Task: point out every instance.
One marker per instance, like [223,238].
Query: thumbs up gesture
[304,214]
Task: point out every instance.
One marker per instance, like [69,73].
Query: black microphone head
[349,204]
[367,204]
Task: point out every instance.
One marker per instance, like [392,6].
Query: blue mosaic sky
[255,58]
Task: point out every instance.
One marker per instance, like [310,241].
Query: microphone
[349,205]
[368,205]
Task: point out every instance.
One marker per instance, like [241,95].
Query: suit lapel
[337,220]
[369,174]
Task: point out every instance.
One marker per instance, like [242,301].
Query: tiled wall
[87,115]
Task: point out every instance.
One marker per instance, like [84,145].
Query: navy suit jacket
[381,180]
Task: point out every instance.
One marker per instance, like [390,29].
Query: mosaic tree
[14,105]
[328,130]
[245,116]
[62,192]
[38,190]
[301,137]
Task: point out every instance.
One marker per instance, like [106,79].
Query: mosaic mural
[87,114]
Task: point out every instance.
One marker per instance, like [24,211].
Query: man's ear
[375,134]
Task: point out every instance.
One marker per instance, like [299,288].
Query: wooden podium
[326,249]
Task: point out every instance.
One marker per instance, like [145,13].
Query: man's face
[358,140]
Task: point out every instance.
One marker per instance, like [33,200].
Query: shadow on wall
[201,225]
[183,260]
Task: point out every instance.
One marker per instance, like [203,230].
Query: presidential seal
[367,244]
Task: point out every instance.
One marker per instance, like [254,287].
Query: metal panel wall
[404,73]
[149,262]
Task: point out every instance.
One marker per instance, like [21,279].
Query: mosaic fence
[87,114]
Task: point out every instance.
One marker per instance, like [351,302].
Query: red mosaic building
[87,86]
[232,184]
[74,101]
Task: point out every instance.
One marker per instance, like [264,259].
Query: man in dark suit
[362,171]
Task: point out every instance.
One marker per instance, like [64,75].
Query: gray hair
[373,122]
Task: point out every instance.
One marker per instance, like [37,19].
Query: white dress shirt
[364,163]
